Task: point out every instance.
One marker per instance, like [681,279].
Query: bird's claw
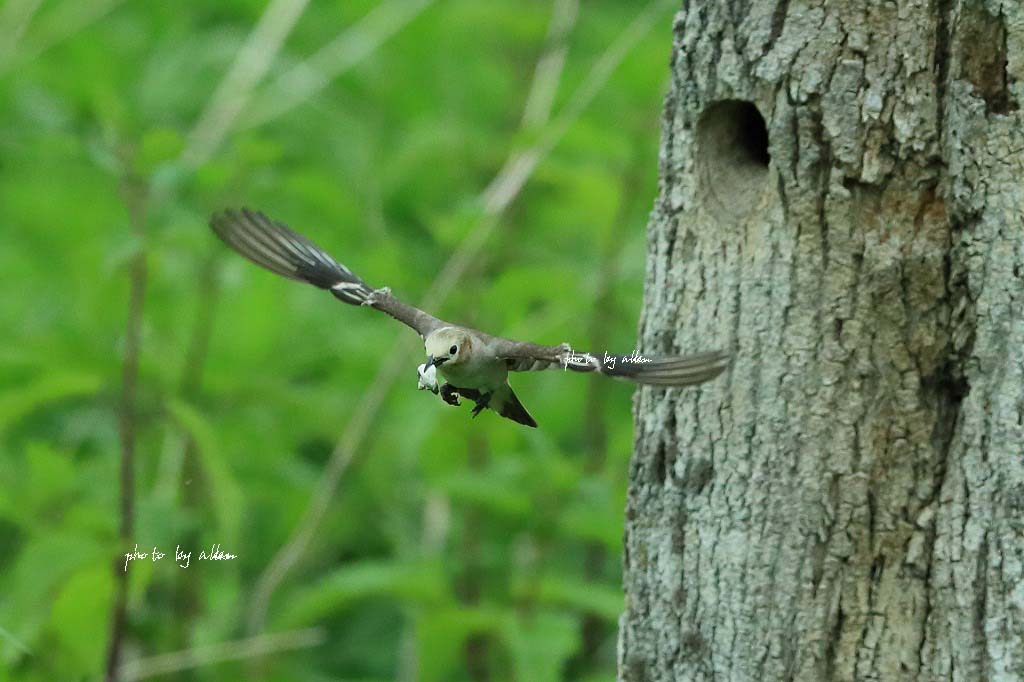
[376,296]
[450,395]
[481,404]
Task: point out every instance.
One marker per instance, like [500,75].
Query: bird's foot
[482,403]
[450,395]
[376,296]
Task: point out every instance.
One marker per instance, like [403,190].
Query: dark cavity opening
[733,154]
[751,133]
[739,129]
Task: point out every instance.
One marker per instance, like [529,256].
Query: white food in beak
[428,378]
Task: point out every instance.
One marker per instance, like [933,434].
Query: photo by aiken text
[181,557]
[586,359]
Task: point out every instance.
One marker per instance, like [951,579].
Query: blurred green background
[407,542]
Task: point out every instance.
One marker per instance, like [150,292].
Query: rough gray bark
[848,503]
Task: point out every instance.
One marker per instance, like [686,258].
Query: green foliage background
[454,549]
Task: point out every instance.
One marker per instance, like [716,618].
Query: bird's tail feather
[285,252]
[505,403]
[678,370]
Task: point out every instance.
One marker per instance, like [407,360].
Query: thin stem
[235,89]
[308,78]
[188,591]
[549,67]
[56,27]
[14,19]
[14,642]
[202,327]
[134,193]
[469,580]
[197,657]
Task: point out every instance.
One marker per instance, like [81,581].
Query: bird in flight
[474,364]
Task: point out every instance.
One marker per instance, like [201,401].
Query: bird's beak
[434,362]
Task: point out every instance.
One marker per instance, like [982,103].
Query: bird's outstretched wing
[285,252]
[677,370]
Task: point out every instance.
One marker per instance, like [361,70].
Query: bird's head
[447,345]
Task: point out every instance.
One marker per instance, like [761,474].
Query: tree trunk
[847,502]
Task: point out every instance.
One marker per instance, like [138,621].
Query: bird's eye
[453,350]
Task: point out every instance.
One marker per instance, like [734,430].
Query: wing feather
[275,247]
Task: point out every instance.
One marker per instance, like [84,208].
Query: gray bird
[475,364]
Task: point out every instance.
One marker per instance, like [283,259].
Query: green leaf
[410,582]
[589,597]
[159,145]
[81,610]
[28,590]
[50,476]
[225,493]
[593,522]
[541,643]
[49,388]
[441,633]
[487,491]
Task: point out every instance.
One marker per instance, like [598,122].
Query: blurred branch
[15,643]
[498,195]
[64,22]
[202,327]
[476,650]
[298,84]
[134,192]
[549,67]
[236,650]
[233,93]
[308,78]
[188,588]
[508,184]
[436,516]
[517,170]
[14,19]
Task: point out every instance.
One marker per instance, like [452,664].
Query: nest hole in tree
[733,158]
